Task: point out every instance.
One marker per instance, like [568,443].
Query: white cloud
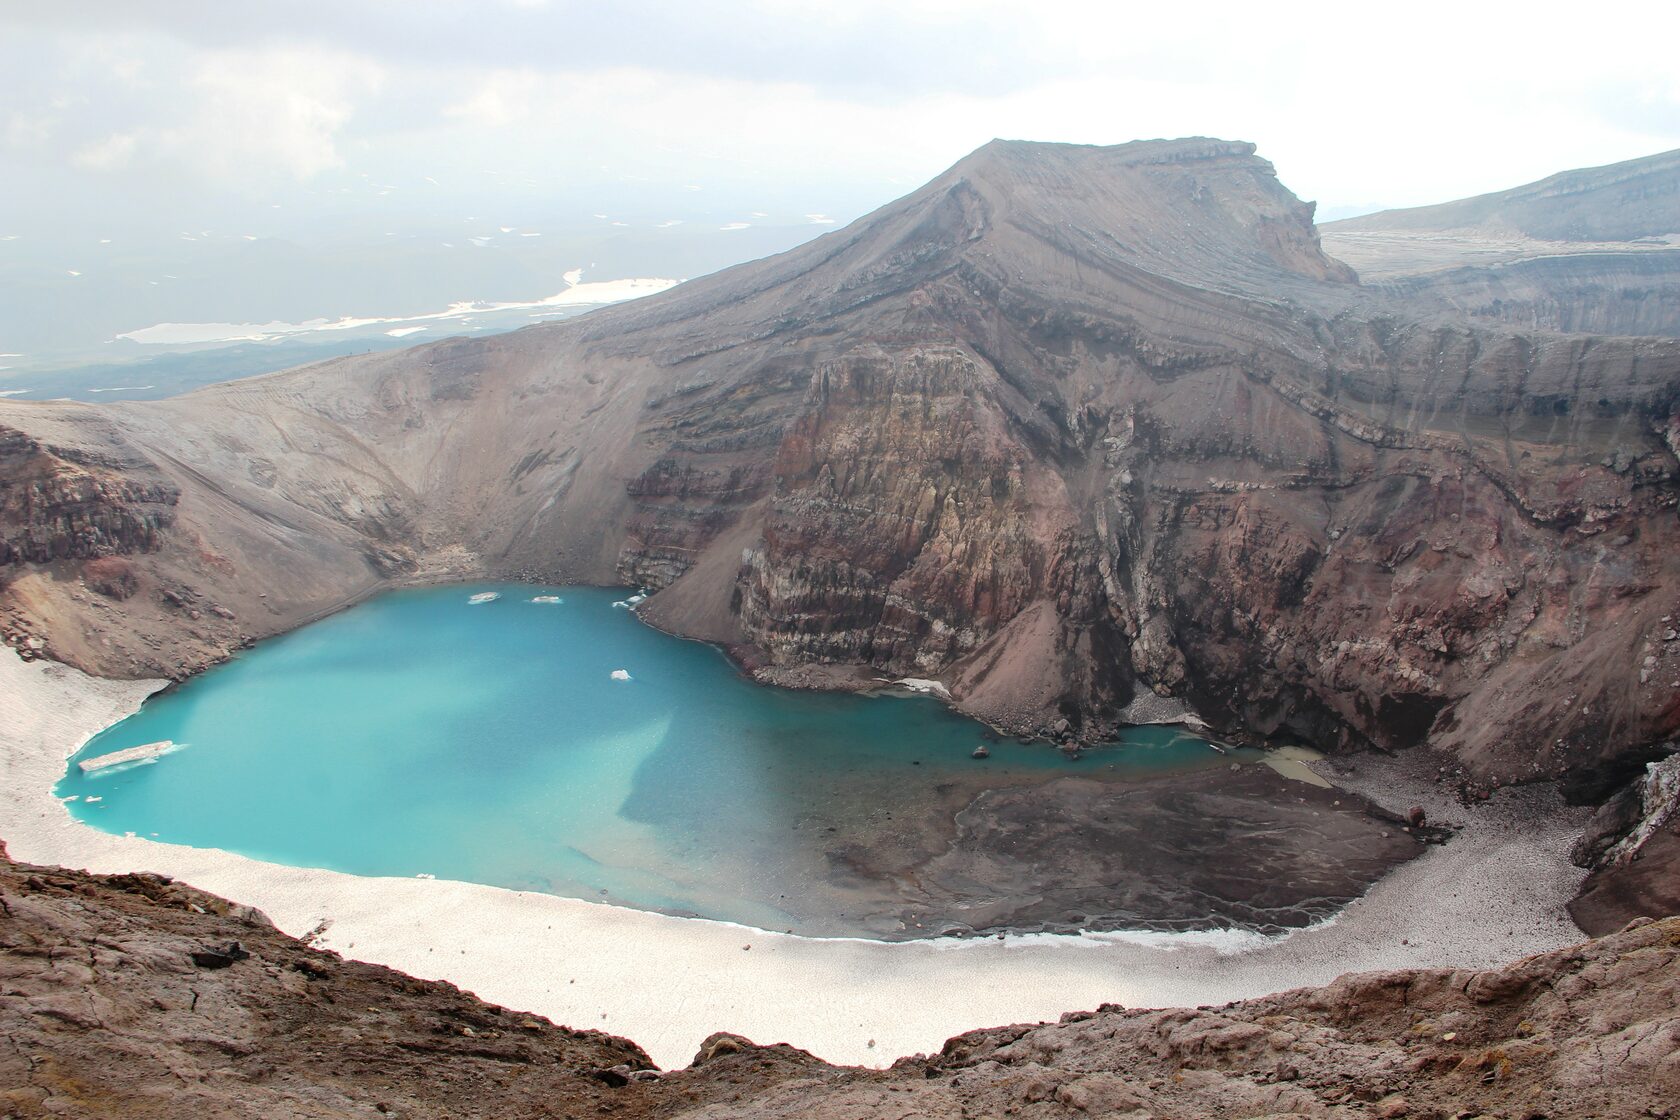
[108,154]
[276,110]
[500,100]
[242,116]
[598,110]
[25,128]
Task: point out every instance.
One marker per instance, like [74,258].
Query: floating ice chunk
[148,752]
[425,875]
[72,797]
[621,674]
[91,800]
[622,605]
[547,599]
[484,597]
[634,599]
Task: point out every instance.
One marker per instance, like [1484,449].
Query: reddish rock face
[1296,525]
[55,505]
[111,576]
[1068,428]
[908,524]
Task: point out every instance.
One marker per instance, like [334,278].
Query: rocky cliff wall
[1066,427]
[58,504]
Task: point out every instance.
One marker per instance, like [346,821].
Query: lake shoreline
[883,816]
[1494,893]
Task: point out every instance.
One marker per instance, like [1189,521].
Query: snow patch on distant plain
[577,293]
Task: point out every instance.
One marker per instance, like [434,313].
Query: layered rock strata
[1064,428]
[1595,250]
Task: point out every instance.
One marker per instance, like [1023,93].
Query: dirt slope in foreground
[127,996]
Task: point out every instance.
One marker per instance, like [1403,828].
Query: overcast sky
[190,105]
[164,118]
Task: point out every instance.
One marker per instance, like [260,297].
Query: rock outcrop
[1632,847]
[64,503]
[131,996]
[1065,428]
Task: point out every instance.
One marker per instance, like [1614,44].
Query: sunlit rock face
[1066,427]
[57,505]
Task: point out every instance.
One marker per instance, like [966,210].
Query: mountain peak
[1072,223]
[1035,159]
[1197,209]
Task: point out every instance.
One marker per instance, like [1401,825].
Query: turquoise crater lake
[421,733]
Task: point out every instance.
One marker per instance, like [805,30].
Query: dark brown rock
[111,576]
[1647,886]
[58,504]
[105,1016]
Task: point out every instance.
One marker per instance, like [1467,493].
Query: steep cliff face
[58,505]
[908,523]
[1066,427]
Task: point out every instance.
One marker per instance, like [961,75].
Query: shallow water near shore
[499,742]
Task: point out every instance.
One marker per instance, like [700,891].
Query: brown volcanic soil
[120,997]
[1219,848]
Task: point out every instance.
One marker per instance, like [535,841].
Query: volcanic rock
[105,1016]
[1065,427]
